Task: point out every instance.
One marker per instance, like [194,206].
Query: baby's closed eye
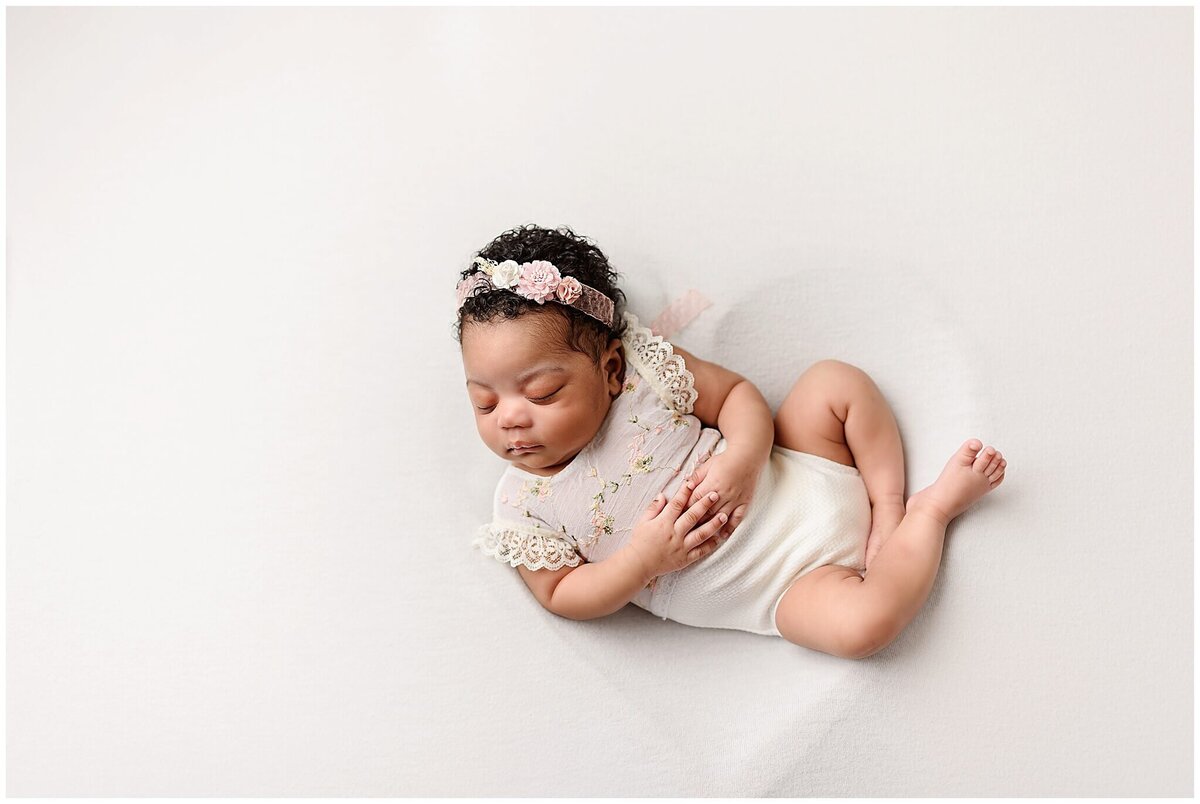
[546,398]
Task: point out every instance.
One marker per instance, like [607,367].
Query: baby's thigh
[812,416]
[826,610]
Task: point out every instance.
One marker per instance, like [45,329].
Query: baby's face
[525,391]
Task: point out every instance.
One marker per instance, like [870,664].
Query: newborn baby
[639,472]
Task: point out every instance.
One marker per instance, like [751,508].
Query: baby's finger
[696,512]
[705,532]
[705,548]
[711,514]
[660,506]
[736,517]
[679,501]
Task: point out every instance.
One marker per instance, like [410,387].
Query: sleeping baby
[639,472]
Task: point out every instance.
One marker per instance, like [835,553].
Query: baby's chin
[539,461]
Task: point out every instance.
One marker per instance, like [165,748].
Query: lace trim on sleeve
[655,359]
[536,548]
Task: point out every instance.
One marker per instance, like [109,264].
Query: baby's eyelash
[534,398]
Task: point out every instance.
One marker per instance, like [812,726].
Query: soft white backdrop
[243,473]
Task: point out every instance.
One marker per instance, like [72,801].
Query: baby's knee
[836,367]
[839,377]
[830,610]
[868,634]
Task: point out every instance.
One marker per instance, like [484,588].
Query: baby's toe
[967,453]
[984,459]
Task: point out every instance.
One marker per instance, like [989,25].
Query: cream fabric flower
[506,274]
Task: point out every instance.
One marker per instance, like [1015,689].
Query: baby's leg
[835,410]
[874,438]
[835,610]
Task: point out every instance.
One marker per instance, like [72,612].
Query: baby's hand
[666,537]
[734,476]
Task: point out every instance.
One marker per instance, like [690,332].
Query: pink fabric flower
[569,289]
[539,279]
[467,287]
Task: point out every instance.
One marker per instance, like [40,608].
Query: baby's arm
[732,404]
[589,590]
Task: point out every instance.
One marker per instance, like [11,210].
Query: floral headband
[539,281]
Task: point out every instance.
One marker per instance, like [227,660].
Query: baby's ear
[614,364]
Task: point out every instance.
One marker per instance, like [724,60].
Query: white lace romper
[807,511]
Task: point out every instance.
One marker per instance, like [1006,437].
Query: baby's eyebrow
[526,377]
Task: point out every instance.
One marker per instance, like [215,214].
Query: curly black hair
[573,255]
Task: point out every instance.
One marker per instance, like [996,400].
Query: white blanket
[242,468]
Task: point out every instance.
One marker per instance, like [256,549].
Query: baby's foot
[969,474]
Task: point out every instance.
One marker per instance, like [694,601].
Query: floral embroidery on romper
[540,488]
[639,463]
[602,523]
